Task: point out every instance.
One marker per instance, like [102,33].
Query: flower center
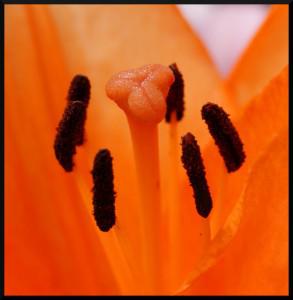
[147,95]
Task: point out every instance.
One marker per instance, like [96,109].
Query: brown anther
[193,164]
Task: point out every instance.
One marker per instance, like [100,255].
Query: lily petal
[264,58]
[50,242]
[49,230]
[262,269]
[261,119]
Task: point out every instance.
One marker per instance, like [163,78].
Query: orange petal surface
[256,260]
[261,119]
[264,58]
[51,242]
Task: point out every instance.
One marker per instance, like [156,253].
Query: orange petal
[54,236]
[256,261]
[264,58]
[261,119]
[51,245]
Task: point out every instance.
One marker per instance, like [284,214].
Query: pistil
[141,93]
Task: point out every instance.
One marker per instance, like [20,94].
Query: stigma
[142,92]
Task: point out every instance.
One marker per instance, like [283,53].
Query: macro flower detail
[141,93]
[155,247]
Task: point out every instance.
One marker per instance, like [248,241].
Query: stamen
[225,135]
[175,103]
[174,113]
[70,131]
[193,164]
[69,134]
[79,89]
[103,190]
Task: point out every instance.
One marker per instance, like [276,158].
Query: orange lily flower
[52,244]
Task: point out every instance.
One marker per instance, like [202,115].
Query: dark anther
[225,135]
[70,131]
[175,103]
[69,134]
[193,164]
[79,89]
[103,190]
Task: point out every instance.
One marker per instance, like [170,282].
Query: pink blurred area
[225,30]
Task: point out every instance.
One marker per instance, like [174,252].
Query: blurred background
[212,22]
